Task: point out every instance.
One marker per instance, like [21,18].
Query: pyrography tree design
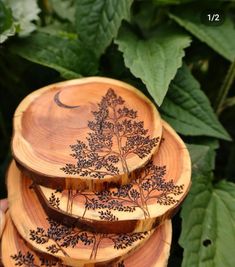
[54,201]
[148,185]
[64,237]
[114,125]
[28,259]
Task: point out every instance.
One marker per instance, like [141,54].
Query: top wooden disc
[85,133]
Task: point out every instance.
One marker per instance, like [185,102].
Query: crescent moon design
[60,104]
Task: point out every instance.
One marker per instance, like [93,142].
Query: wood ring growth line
[85,133]
[155,194]
[154,253]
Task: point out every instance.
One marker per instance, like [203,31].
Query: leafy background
[161,46]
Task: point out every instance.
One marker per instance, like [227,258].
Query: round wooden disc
[16,252]
[85,133]
[155,195]
[154,253]
[74,246]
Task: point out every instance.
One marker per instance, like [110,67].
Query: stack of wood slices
[96,177]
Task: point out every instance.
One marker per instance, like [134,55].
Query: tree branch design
[148,185]
[114,125]
[54,201]
[28,259]
[64,237]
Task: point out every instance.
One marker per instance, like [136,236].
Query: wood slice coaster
[155,195]
[72,245]
[85,133]
[16,252]
[155,252]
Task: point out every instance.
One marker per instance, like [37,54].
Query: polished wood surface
[16,252]
[154,253]
[72,245]
[85,133]
[155,195]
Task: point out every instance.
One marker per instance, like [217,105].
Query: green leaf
[64,30]
[98,21]
[220,38]
[7,33]
[6,19]
[208,229]
[171,2]
[7,27]
[188,109]
[202,158]
[154,61]
[64,9]
[66,56]
[24,13]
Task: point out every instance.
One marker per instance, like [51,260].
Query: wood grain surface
[85,133]
[74,246]
[156,194]
[155,252]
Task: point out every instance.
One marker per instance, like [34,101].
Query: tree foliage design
[149,185]
[115,134]
[54,201]
[28,259]
[64,236]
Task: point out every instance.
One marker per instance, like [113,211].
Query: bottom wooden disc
[155,252]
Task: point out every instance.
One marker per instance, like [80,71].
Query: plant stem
[223,92]
[229,102]
[47,6]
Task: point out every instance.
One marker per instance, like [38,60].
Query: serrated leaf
[66,56]
[220,38]
[188,109]
[208,229]
[154,61]
[202,158]
[98,21]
